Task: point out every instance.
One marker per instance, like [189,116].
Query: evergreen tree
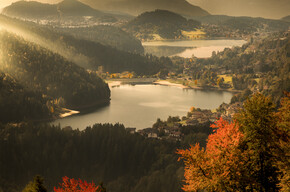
[36,185]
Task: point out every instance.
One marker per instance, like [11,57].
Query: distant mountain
[287,18]
[136,7]
[30,9]
[76,8]
[37,10]
[161,23]
[245,24]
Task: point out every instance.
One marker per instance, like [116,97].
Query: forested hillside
[166,24]
[18,103]
[260,65]
[42,70]
[107,153]
[239,27]
[107,35]
[87,54]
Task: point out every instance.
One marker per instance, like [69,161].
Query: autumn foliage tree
[212,168]
[73,185]
[283,117]
[258,123]
[249,154]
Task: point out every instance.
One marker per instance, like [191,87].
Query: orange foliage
[214,168]
[73,185]
[192,109]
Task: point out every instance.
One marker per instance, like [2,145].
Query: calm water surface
[140,105]
[198,48]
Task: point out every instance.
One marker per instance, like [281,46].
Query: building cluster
[172,131]
[201,116]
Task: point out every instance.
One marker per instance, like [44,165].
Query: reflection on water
[139,106]
[164,51]
[198,48]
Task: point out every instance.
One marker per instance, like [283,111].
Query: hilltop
[287,18]
[136,7]
[66,9]
[160,24]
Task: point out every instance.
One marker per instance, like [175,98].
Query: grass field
[198,34]
[228,78]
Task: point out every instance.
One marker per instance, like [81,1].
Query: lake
[140,105]
[198,48]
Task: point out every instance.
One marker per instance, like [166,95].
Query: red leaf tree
[249,154]
[73,185]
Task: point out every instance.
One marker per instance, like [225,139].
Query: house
[149,132]
[152,135]
[131,130]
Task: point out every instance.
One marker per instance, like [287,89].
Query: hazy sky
[255,8]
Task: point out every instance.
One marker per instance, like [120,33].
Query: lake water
[140,105]
[198,48]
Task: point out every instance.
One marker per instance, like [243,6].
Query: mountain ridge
[136,7]
[35,9]
[163,23]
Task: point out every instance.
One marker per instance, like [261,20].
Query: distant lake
[140,105]
[198,48]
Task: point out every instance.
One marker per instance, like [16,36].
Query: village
[172,129]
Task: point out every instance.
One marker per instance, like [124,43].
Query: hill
[136,7]
[30,9]
[287,18]
[106,35]
[76,8]
[166,24]
[18,103]
[85,53]
[71,10]
[63,83]
[239,27]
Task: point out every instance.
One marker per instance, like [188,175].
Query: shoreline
[112,84]
[67,113]
[213,38]
[167,83]
[115,83]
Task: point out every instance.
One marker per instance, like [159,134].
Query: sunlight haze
[274,9]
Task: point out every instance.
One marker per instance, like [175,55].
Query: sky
[275,9]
